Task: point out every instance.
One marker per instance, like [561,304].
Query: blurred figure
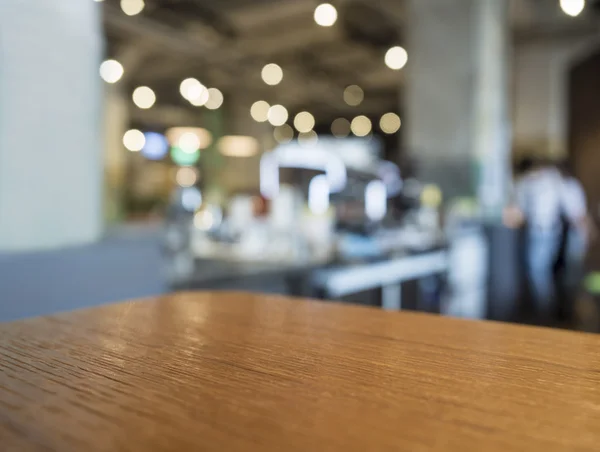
[577,229]
[539,200]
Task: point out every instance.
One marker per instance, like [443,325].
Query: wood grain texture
[237,372]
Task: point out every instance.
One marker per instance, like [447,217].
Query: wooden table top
[237,372]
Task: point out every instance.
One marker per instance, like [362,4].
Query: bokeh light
[277,115]
[431,195]
[390,123]
[340,128]
[190,88]
[186,176]
[215,99]
[361,126]
[144,97]
[156,146]
[175,133]
[204,220]
[572,8]
[272,74]
[260,111]
[396,58]
[238,146]
[308,139]
[304,122]
[182,158]
[353,95]
[191,199]
[111,71]
[283,134]
[132,7]
[325,15]
[189,142]
[134,140]
[201,98]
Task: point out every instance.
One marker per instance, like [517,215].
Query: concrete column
[50,124]
[242,173]
[457,128]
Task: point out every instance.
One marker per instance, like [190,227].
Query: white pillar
[50,123]
[457,127]
[492,131]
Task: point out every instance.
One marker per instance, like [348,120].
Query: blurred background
[368,152]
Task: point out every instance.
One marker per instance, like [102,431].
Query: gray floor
[127,264]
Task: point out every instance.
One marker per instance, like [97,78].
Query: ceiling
[225,44]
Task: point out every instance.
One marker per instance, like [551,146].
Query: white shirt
[574,202]
[540,196]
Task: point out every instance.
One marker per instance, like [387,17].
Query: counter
[239,372]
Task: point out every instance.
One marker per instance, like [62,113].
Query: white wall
[540,84]
[50,123]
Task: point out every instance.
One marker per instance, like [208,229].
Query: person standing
[539,198]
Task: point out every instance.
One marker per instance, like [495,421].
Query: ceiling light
[283,134]
[260,111]
[190,88]
[111,71]
[134,140]
[277,115]
[304,122]
[238,146]
[572,8]
[353,95]
[361,126]
[215,99]
[201,98]
[396,58]
[132,7]
[194,91]
[272,74]
[390,123]
[325,15]
[144,97]
[340,128]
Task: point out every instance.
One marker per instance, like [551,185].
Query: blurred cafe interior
[358,151]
